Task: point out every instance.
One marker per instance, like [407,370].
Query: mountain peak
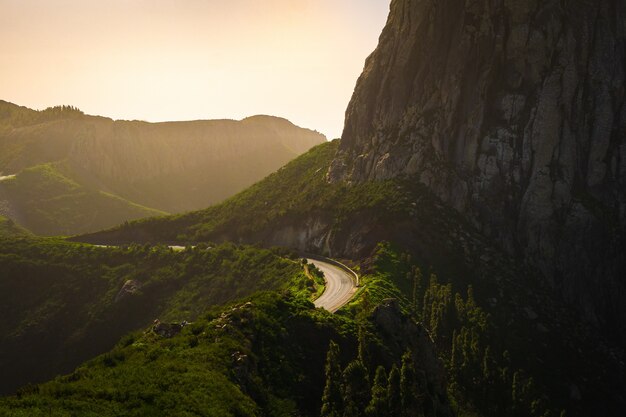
[513,113]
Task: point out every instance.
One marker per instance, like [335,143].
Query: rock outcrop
[512,112]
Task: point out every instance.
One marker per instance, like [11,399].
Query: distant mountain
[149,168]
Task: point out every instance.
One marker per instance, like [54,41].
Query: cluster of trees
[21,116]
[62,110]
[481,375]
[349,392]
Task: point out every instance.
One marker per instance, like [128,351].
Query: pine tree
[394,397]
[356,389]
[515,393]
[378,405]
[363,351]
[455,355]
[331,399]
[487,365]
[409,392]
[417,287]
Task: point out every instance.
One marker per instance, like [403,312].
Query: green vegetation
[296,192]
[262,356]
[64,303]
[494,355]
[506,326]
[507,344]
[50,203]
[265,354]
[316,278]
[12,116]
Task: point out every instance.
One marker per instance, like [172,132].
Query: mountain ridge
[170,167]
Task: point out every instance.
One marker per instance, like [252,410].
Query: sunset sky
[160,60]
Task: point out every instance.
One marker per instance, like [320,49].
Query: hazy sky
[159,60]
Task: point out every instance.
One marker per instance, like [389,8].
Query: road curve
[341,283]
[340,286]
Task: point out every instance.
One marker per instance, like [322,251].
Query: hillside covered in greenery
[46,201]
[273,354]
[262,356]
[517,322]
[62,303]
[297,207]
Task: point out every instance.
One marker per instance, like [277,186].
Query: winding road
[340,285]
[341,282]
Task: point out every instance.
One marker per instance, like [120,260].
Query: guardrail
[333,262]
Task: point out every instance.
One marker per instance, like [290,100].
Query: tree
[331,399]
[356,389]
[363,351]
[378,405]
[417,288]
[409,391]
[394,398]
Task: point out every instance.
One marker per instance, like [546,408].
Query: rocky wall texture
[512,112]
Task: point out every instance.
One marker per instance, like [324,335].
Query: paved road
[340,286]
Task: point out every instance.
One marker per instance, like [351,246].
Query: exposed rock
[130,287]
[167,330]
[512,112]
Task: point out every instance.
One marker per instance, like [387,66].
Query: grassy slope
[197,372]
[264,357]
[295,187]
[297,191]
[50,203]
[61,303]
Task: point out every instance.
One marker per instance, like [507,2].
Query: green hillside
[262,356]
[529,325]
[48,202]
[63,303]
[295,193]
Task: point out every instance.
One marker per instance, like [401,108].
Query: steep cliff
[512,112]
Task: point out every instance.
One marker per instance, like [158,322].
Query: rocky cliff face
[512,112]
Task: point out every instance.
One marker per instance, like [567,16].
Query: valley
[460,251]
